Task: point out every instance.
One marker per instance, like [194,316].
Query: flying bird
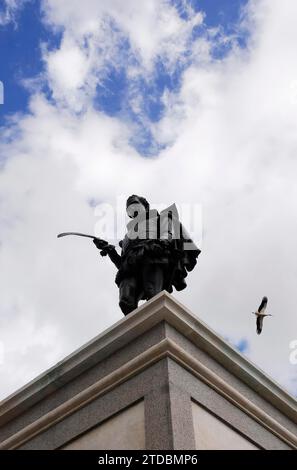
[260,314]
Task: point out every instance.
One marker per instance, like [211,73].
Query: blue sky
[21,43]
[21,58]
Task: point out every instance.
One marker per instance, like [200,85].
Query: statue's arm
[114,256]
[110,251]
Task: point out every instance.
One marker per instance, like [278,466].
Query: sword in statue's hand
[102,245]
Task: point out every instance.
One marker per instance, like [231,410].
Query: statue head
[136,205]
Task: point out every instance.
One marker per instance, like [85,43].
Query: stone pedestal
[157,379]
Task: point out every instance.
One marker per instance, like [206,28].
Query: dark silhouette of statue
[156,255]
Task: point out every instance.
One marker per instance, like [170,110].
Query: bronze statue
[156,253]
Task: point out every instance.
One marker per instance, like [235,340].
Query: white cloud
[153,27]
[232,130]
[95,34]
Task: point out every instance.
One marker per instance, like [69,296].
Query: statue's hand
[100,244]
[107,249]
[103,246]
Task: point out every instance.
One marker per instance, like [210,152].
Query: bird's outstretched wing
[263,305]
[259,324]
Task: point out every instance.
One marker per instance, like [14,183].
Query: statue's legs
[128,295]
[149,282]
[153,280]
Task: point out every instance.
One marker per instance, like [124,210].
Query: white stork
[260,314]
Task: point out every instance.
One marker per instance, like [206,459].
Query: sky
[186,101]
